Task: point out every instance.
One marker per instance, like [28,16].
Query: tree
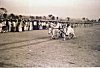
[3,13]
[83,18]
[51,17]
[12,16]
[37,17]
[87,19]
[20,16]
[17,17]
[57,18]
[5,16]
[68,18]
[99,20]
[32,17]
[4,9]
[93,20]
[44,17]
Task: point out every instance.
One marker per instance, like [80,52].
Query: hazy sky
[61,8]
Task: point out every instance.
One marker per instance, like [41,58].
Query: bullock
[57,30]
[68,32]
[54,30]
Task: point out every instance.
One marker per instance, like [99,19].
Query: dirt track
[35,49]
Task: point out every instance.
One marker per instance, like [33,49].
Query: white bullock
[54,30]
[68,32]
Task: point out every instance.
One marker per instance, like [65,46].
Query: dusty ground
[35,49]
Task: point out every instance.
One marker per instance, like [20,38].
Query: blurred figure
[4,26]
[0,25]
[9,23]
[31,25]
[20,26]
[13,29]
[25,25]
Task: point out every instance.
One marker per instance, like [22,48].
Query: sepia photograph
[49,33]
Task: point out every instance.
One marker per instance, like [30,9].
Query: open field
[35,49]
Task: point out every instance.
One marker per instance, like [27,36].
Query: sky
[60,8]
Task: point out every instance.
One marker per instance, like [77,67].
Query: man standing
[9,24]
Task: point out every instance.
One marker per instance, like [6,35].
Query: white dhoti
[20,28]
[70,31]
[25,28]
[0,27]
[31,26]
[41,27]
